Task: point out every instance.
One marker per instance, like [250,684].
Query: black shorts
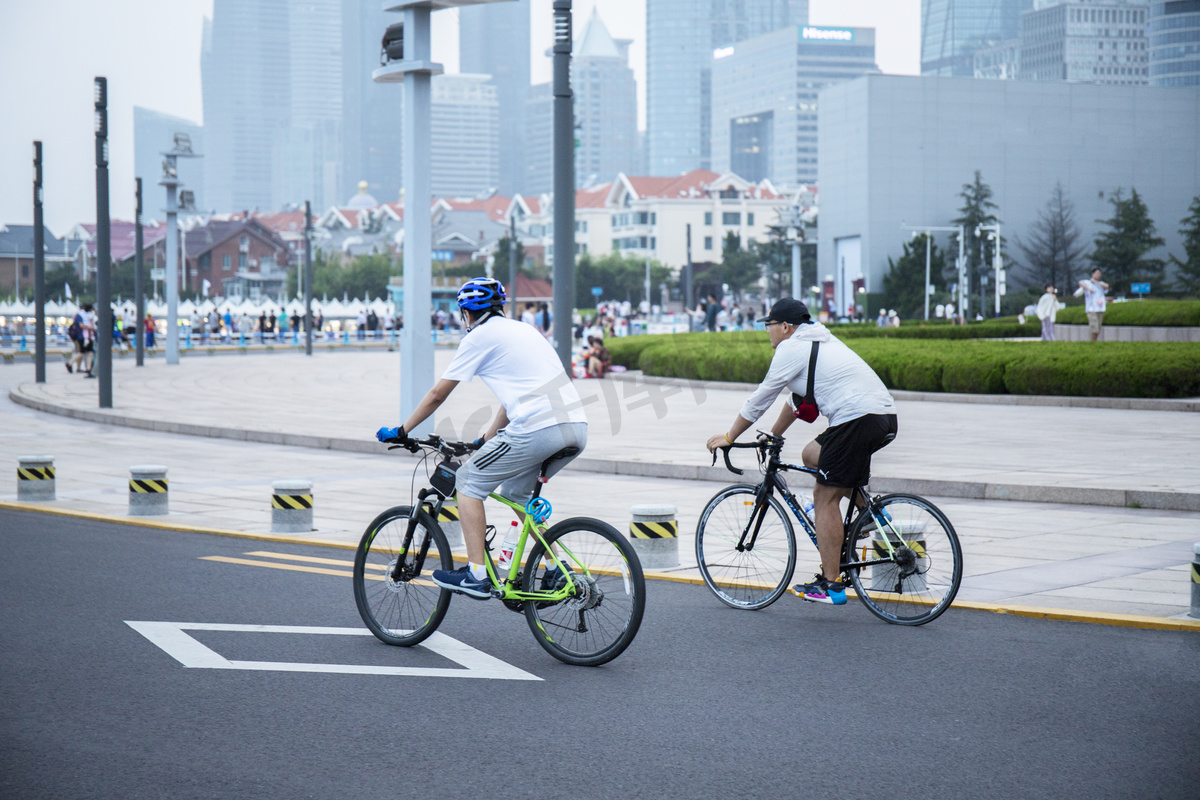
[846,449]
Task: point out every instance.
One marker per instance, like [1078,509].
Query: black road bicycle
[900,553]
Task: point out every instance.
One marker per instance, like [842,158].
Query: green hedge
[1104,369]
[1167,313]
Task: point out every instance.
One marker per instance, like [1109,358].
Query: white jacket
[845,387]
[1047,306]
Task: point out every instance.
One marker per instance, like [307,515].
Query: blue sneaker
[460,580]
[821,590]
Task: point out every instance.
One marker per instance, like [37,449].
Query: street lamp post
[564,184]
[39,269]
[139,283]
[928,231]
[170,179]
[795,235]
[103,342]
[308,278]
[997,261]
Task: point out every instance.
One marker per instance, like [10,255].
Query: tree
[904,284]
[1053,252]
[776,255]
[976,211]
[502,266]
[739,268]
[619,278]
[1119,252]
[363,275]
[1187,273]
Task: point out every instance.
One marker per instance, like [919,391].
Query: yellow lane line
[297,568]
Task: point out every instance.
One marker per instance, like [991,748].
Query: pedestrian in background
[1093,302]
[148,327]
[1047,308]
[711,311]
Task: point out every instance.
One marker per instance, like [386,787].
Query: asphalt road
[797,700]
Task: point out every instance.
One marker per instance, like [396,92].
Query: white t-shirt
[522,370]
[1093,296]
[845,387]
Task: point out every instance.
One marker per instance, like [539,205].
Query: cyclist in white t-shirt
[540,414]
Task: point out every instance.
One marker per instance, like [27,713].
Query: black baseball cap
[789,310]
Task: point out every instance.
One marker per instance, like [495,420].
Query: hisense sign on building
[826,34]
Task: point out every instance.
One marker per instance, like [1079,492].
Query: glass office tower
[952,30]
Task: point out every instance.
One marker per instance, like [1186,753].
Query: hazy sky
[150,52]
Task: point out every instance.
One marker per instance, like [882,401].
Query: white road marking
[172,638]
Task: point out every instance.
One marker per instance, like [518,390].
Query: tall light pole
[39,269]
[928,231]
[103,341]
[512,264]
[308,279]
[997,261]
[795,235]
[182,148]
[564,184]
[139,283]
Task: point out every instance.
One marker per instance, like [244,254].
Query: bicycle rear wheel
[401,610]
[753,577]
[600,619]
[920,565]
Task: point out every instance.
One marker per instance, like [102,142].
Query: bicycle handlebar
[434,442]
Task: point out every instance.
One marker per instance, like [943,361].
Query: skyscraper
[681,36]
[465,151]
[494,40]
[245,68]
[371,132]
[605,106]
[1174,31]
[1094,42]
[952,30]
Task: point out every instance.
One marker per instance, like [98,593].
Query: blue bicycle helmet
[479,294]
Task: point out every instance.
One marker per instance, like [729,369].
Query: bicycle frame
[773,481]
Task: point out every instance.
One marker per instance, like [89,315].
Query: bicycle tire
[407,611]
[923,586]
[597,623]
[750,579]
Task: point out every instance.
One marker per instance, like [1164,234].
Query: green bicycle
[581,588]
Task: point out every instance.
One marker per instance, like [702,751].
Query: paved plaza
[257,418]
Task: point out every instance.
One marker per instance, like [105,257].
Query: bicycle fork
[404,569]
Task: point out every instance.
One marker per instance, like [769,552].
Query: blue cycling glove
[384,434]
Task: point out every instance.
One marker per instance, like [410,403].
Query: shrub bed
[1165,313]
[1105,369]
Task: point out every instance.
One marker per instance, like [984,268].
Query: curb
[1029,493]
[1031,612]
[1119,403]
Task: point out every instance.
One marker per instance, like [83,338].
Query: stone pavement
[646,445]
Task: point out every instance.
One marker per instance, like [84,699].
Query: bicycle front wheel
[599,620]
[744,569]
[395,595]
[918,561]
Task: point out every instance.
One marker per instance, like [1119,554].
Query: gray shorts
[515,460]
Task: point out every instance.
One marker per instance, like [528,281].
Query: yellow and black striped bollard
[148,490]
[1194,613]
[450,524]
[35,478]
[291,506]
[654,533]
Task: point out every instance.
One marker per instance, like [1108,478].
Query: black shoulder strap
[812,368]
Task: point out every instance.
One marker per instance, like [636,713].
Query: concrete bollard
[654,534]
[291,506]
[35,478]
[449,522]
[148,490]
[1195,612]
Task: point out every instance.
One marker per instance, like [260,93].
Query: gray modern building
[494,40]
[765,92]
[953,30]
[1084,40]
[371,124]
[1174,31]
[154,133]
[464,135]
[308,150]
[605,106]
[245,66]
[681,36]
[897,151]
[539,141]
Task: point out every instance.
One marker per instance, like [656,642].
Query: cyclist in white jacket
[862,419]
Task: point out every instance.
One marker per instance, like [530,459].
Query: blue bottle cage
[539,508]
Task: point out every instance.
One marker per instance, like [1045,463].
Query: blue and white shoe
[462,581]
[821,590]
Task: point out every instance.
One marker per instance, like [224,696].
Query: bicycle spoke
[752,577]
